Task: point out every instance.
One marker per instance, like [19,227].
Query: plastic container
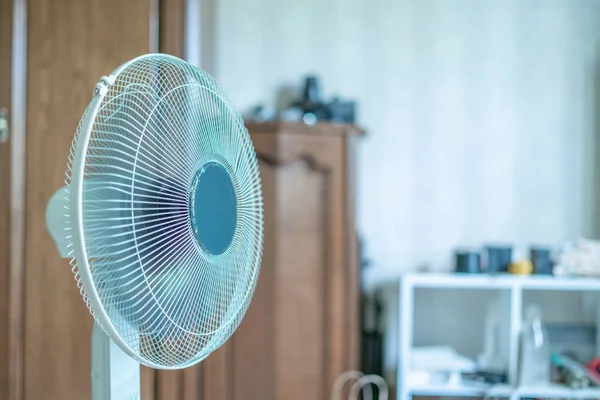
[535,349]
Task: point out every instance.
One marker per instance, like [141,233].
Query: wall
[481,114]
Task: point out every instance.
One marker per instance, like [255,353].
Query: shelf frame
[512,287]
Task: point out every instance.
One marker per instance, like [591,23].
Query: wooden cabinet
[301,330]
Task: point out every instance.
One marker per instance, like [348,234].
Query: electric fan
[162,218]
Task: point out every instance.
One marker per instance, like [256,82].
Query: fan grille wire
[160,122]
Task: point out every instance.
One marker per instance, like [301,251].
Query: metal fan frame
[76,209]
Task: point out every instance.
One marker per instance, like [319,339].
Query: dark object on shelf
[467,262]
[311,93]
[486,377]
[311,108]
[541,260]
[498,258]
[311,105]
[342,111]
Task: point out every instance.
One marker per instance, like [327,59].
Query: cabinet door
[70,45]
[295,339]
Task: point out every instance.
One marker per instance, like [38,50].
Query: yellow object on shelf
[521,267]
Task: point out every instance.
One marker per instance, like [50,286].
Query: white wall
[481,114]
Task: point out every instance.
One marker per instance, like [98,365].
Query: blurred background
[430,176]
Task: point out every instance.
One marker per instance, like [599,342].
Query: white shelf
[560,283]
[461,390]
[557,391]
[552,391]
[502,281]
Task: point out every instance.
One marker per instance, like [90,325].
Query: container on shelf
[541,260]
[498,258]
[467,262]
[534,365]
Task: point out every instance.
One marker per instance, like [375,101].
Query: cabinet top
[320,128]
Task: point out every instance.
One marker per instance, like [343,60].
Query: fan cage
[140,270]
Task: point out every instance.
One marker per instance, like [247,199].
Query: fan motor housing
[213,208]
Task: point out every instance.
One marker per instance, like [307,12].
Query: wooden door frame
[187,29]
[6,12]
[17,143]
[171,28]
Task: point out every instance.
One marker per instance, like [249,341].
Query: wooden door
[70,45]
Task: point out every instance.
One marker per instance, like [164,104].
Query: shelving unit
[511,293]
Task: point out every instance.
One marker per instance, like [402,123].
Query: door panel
[71,44]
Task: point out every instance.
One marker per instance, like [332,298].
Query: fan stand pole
[115,375]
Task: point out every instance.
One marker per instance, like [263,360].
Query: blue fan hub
[213,208]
